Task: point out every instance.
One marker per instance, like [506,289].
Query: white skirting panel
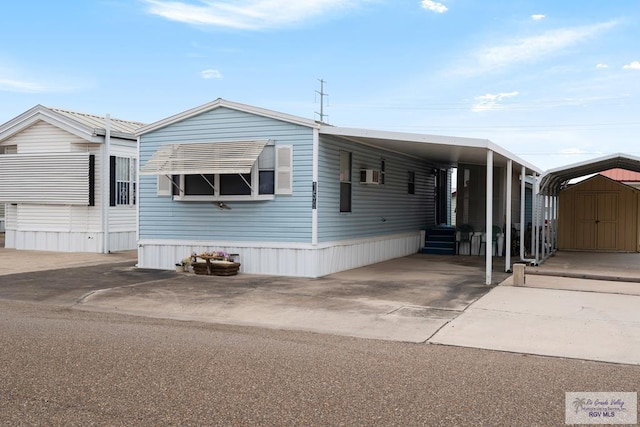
[122,241]
[67,242]
[346,256]
[298,260]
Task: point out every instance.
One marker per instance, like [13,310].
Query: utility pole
[322,95]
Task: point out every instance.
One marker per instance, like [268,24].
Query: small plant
[184,264]
[219,255]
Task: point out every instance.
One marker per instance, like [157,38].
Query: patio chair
[465,233]
[495,232]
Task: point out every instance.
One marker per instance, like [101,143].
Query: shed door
[607,222]
[586,217]
[596,221]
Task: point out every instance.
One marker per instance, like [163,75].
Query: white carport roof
[446,150]
[554,180]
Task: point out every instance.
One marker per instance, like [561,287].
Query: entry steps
[440,241]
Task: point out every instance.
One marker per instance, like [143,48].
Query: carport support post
[523,192]
[507,240]
[488,248]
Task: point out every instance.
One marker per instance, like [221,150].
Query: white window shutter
[164,185]
[284,169]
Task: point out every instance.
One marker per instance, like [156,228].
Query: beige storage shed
[599,214]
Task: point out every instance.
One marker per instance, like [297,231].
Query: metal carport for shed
[555,180]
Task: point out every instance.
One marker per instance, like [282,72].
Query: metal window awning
[229,157]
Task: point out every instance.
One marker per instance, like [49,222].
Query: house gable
[282,219]
[42,136]
[224,104]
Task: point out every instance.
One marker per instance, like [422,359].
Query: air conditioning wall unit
[369,176]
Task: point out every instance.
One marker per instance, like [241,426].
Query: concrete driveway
[574,305]
[407,299]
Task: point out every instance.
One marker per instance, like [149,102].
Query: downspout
[106,187]
[489,220]
[138,194]
[507,244]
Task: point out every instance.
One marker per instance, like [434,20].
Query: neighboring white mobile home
[68,181]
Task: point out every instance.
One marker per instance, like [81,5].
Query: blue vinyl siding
[376,209]
[284,219]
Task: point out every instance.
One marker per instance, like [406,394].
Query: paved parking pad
[405,299]
[68,285]
[550,322]
[373,309]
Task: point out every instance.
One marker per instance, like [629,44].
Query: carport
[502,170]
[556,181]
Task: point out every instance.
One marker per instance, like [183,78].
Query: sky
[554,82]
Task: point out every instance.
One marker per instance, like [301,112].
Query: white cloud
[23,86]
[434,6]
[602,66]
[572,150]
[211,74]
[491,101]
[635,65]
[244,14]
[538,17]
[531,49]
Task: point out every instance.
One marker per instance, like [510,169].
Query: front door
[442,197]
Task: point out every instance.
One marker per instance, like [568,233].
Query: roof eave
[40,112]
[218,103]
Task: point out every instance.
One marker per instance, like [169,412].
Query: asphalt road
[60,366]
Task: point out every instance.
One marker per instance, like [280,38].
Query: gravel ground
[60,366]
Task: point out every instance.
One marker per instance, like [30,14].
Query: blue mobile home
[290,195]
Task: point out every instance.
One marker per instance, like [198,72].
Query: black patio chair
[465,233]
[496,230]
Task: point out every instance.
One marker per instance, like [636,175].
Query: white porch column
[106,187]
[555,223]
[314,178]
[535,241]
[523,193]
[489,219]
[507,240]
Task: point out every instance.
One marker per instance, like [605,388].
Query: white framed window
[123,181]
[271,174]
